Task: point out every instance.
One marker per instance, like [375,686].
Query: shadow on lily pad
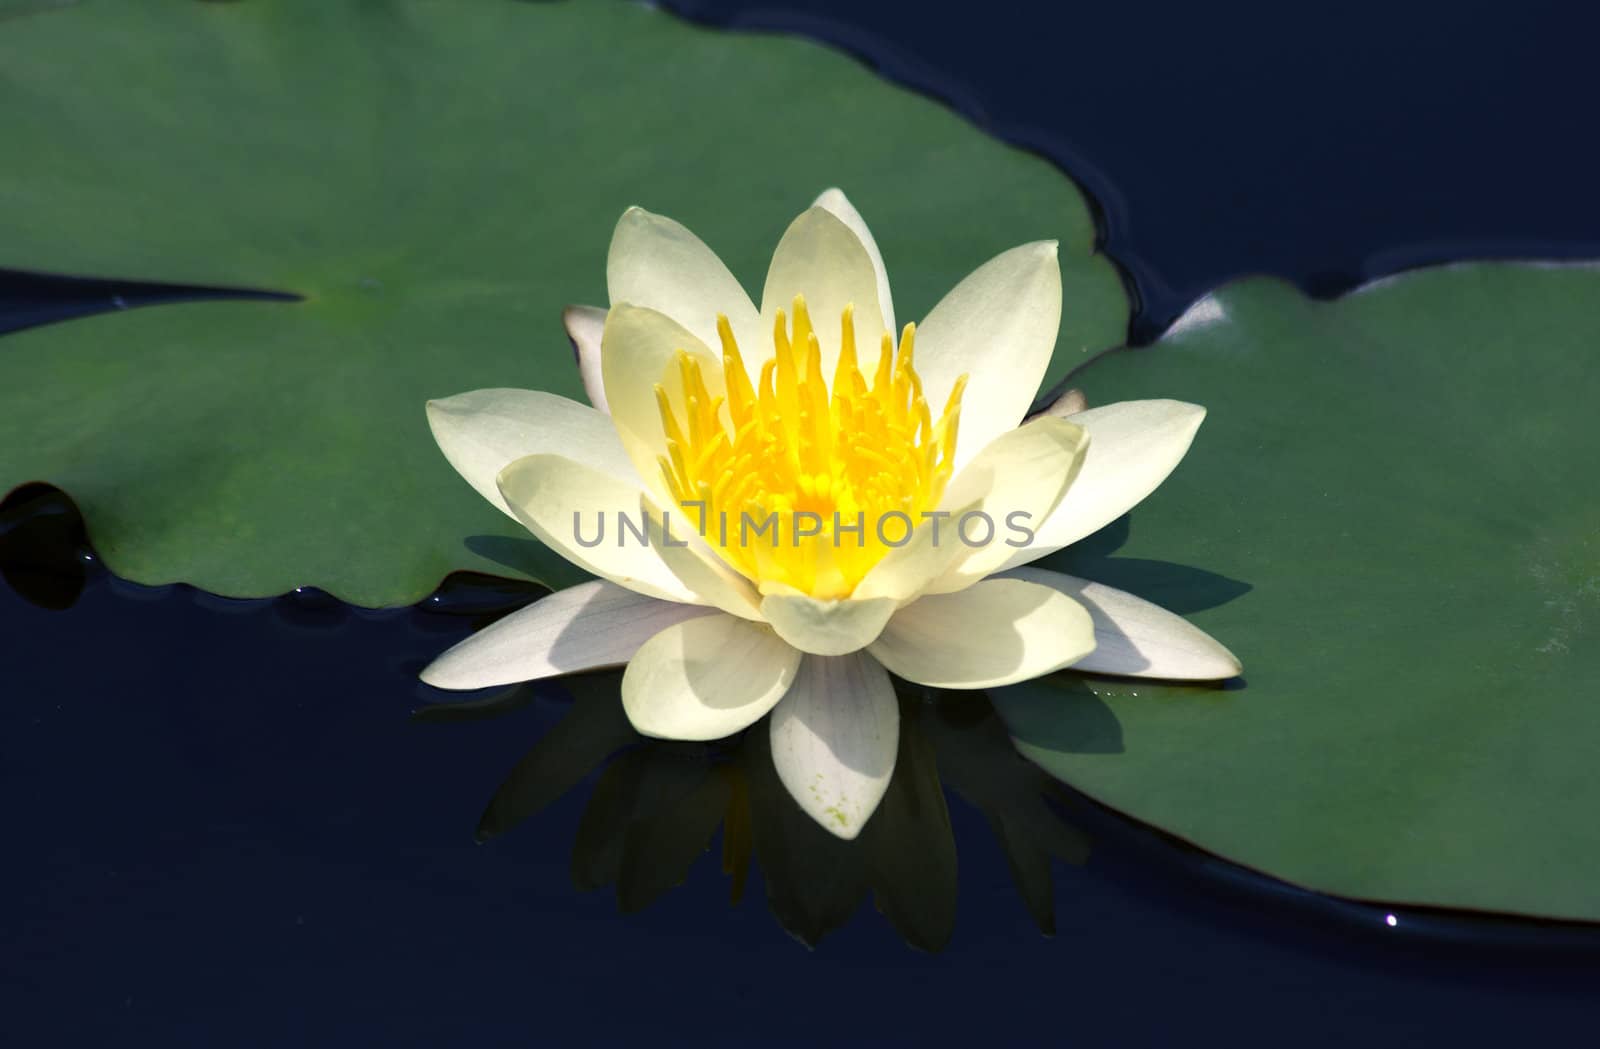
[1178,588]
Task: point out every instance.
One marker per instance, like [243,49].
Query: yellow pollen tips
[796,474]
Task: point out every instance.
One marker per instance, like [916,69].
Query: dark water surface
[223,828]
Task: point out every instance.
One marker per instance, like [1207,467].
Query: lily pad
[435,180]
[1392,516]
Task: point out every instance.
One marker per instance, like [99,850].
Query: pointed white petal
[1137,638]
[997,326]
[696,565]
[1133,446]
[706,678]
[995,632]
[484,431]
[1014,483]
[1068,404]
[821,258]
[835,201]
[905,571]
[638,350]
[585,325]
[567,505]
[596,624]
[834,739]
[826,628]
[657,263]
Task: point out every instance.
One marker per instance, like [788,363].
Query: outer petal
[834,739]
[595,624]
[1015,483]
[1133,446]
[484,431]
[657,263]
[560,500]
[821,258]
[826,628]
[997,326]
[706,678]
[996,632]
[1137,638]
[835,201]
[637,351]
[585,325]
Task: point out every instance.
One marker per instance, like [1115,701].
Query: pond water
[227,827]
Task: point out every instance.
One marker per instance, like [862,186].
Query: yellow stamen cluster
[791,444]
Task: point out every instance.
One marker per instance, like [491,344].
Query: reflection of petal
[738,842]
[663,844]
[593,729]
[980,764]
[633,789]
[814,880]
[597,848]
[910,848]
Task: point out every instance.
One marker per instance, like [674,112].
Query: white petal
[821,258]
[706,678]
[1133,446]
[996,632]
[657,263]
[835,201]
[834,739]
[638,350]
[561,501]
[826,628]
[905,571]
[585,325]
[1014,483]
[698,567]
[1070,403]
[998,326]
[596,624]
[484,431]
[1137,638]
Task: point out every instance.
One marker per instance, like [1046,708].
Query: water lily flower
[707,411]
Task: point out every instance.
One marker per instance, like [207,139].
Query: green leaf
[1391,515]
[436,180]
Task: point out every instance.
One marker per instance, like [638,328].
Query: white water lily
[786,415]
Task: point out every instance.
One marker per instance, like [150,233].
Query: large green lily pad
[1394,498]
[436,180]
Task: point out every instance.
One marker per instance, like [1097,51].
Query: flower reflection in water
[658,806]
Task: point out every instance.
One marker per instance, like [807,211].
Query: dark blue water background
[223,828]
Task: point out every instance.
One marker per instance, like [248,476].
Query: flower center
[797,482]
